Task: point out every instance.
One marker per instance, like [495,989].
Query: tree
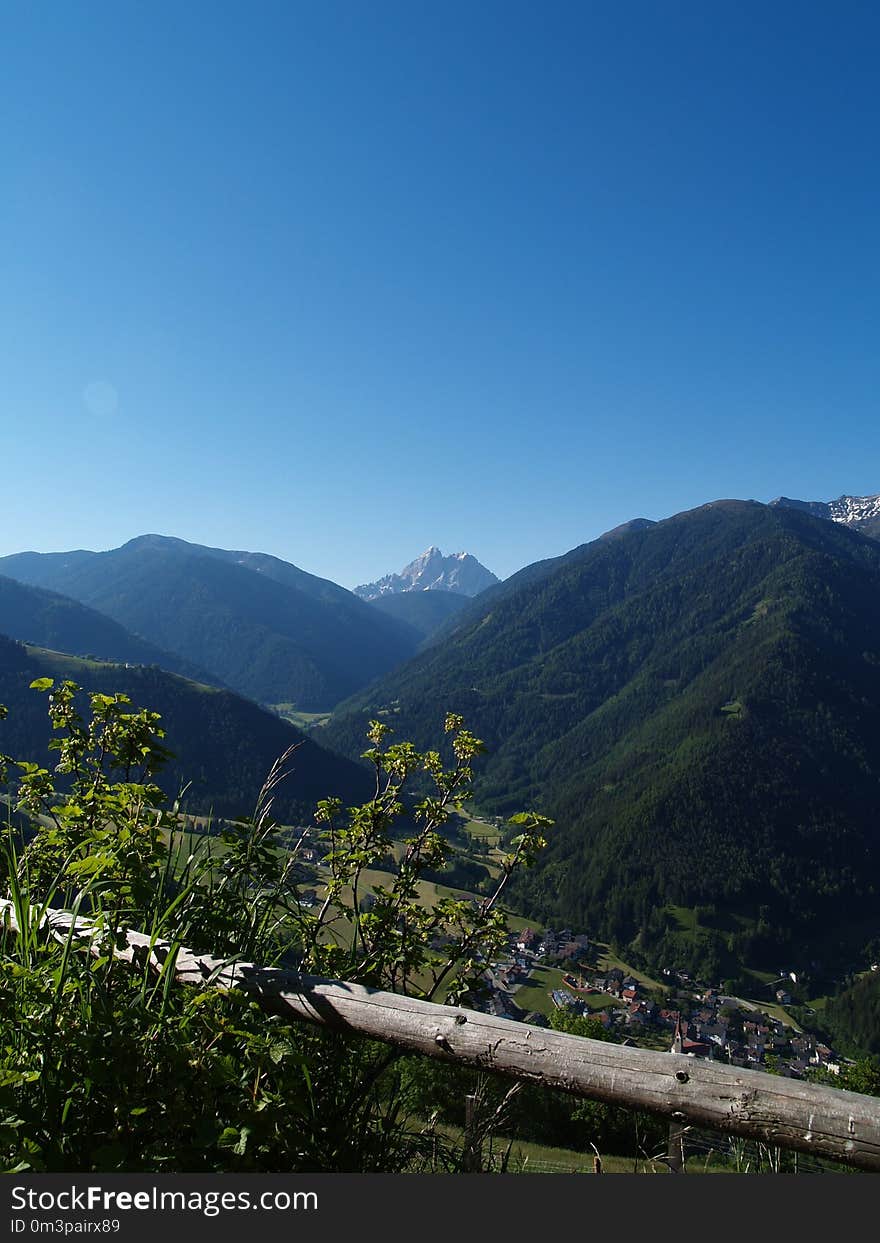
[107,1065]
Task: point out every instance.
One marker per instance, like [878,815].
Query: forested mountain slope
[425,611]
[262,626]
[697,703]
[223,745]
[47,619]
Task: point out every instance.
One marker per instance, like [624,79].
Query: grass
[303,720]
[762,977]
[720,920]
[684,916]
[192,837]
[607,960]
[492,866]
[535,993]
[519,923]
[776,1011]
[489,833]
[528,1158]
[532,1158]
[428,891]
[61,664]
[183,842]
[65,664]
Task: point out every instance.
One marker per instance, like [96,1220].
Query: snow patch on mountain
[862,513]
[852,509]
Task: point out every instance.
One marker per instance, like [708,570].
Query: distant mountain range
[49,620]
[223,745]
[459,573]
[697,703]
[253,622]
[860,513]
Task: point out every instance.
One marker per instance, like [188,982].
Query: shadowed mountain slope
[47,619]
[260,625]
[223,745]
[425,611]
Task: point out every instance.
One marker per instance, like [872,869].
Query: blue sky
[339,281]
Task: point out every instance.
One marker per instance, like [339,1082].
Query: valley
[767,1020]
[694,702]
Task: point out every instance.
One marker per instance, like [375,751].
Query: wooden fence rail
[827,1122]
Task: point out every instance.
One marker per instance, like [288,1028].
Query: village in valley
[703,1021]
[543,970]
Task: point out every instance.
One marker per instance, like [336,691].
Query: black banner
[165,1208]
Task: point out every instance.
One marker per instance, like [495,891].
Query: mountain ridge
[696,703]
[48,619]
[223,746]
[859,513]
[261,626]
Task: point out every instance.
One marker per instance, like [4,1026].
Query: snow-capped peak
[852,509]
[460,573]
[860,513]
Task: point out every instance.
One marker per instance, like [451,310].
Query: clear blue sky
[338,281]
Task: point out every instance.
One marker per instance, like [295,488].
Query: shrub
[106,1063]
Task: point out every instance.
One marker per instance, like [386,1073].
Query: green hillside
[697,703]
[47,619]
[223,745]
[259,625]
[853,1017]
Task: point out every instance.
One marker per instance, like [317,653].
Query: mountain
[697,704]
[425,611]
[473,610]
[459,573]
[223,745]
[47,619]
[634,524]
[860,513]
[260,625]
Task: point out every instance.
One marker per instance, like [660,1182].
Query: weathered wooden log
[787,1113]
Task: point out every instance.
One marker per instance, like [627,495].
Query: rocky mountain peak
[459,572]
[861,513]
